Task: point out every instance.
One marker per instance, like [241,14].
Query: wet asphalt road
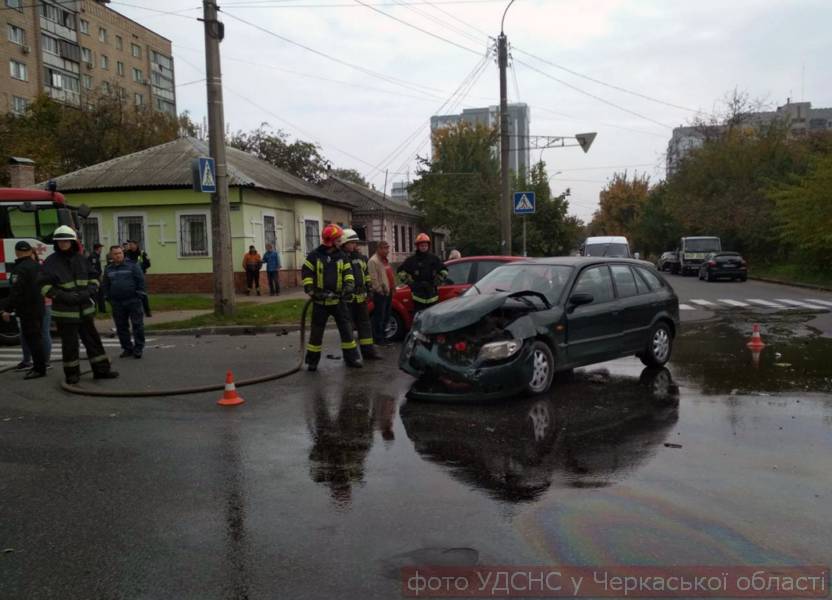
[324,485]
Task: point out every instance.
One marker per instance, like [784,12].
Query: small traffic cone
[755,358]
[230,397]
[756,342]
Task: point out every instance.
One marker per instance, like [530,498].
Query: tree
[302,159]
[460,187]
[656,230]
[350,175]
[620,206]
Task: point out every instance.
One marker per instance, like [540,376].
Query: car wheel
[394,331]
[708,276]
[543,369]
[659,346]
[743,278]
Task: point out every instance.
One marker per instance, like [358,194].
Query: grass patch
[285,312]
[791,273]
[168,302]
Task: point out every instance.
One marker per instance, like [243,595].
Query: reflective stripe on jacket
[323,272]
[71,282]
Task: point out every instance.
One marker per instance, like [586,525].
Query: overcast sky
[685,54]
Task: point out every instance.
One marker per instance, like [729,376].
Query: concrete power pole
[220,211]
[505,197]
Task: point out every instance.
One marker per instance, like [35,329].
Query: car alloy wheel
[543,368]
[395,328]
[658,347]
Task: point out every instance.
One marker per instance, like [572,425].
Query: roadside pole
[505,198]
[524,234]
[220,210]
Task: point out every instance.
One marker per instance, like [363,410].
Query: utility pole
[220,210]
[505,198]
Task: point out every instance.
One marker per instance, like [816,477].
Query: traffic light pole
[220,210]
[505,198]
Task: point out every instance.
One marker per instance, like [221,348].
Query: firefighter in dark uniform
[25,301]
[72,285]
[327,279]
[423,272]
[357,305]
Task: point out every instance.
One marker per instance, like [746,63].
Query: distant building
[398,191]
[70,49]
[518,129]
[800,116]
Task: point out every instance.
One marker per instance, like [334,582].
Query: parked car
[462,273]
[725,265]
[615,246]
[693,250]
[527,320]
[669,261]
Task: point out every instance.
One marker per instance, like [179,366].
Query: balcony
[64,96]
[59,30]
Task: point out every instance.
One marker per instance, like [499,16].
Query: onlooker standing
[454,254]
[95,263]
[26,301]
[137,255]
[272,260]
[124,287]
[381,283]
[251,265]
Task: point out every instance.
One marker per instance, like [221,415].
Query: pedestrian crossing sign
[204,175]
[524,203]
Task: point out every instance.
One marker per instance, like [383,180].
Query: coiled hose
[100,393]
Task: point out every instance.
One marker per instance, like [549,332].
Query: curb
[230,330]
[808,286]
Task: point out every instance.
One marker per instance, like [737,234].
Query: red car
[462,274]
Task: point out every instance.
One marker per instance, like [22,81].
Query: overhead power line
[279,4]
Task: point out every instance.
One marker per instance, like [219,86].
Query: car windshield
[704,245]
[614,250]
[549,280]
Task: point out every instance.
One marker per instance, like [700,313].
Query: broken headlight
[500,350]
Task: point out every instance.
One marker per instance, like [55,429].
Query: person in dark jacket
[69,281]
[124,288]
[271,259]
[423,272]
[135,254]
[327,279]
[25,300]
[95,264]
[357,304]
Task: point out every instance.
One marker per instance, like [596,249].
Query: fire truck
[31,215]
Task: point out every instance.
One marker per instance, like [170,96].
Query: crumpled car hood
[458,313]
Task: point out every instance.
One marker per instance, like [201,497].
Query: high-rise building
[74,49]
[518,129]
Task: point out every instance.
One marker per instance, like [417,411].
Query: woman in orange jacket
[251,265]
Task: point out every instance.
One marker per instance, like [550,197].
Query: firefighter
[327,279]
[357,305]
[71,283]
[423,272]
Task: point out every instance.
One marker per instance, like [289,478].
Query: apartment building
[72,50]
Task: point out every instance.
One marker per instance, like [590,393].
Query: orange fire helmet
[331,234]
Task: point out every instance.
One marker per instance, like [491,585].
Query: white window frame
[86,81]
[320,230]
[119,42]
[138,75]
[120,68]
[271,215]
[102,35]
[16,67]
[84,26]
[141,214]
[86,55]
[19,34]
[188,213]
[104,62]
[25,105]
[135,50]
[98,220]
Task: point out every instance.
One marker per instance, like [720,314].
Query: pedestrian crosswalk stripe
[733,302]
[766,303]
[703,303]
[686,307]
[800,304]
[816,301]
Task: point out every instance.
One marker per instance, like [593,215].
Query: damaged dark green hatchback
[525,321]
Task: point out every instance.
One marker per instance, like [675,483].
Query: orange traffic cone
[230,397]
[756,342]
[755,358]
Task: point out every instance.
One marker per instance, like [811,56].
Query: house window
[193,235]
[49,44]
[102,35]
[138,99]
[19,105]
[86,55]
[85,26]
[138,77]
[16,35]
[104,62]
[269,231]
[18,70]
[120,68]
[105,87]
[87,82]
[410,237]
[136,50]
[395,238]
[131,228]
[18,4]
[119,43]
[89,232]
[404,240]
[313,235]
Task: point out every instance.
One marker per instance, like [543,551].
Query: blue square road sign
[524,203]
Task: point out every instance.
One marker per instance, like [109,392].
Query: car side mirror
[579,298]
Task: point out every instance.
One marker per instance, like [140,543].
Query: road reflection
[589,432]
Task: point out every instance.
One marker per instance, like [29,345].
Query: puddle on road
[714,356]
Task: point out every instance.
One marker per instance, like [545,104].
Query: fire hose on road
[102,393]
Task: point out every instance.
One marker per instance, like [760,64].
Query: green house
[148,196]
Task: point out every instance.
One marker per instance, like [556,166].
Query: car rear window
[624,281]
[613,250]
[651,278]
[458,273]
[641,285]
